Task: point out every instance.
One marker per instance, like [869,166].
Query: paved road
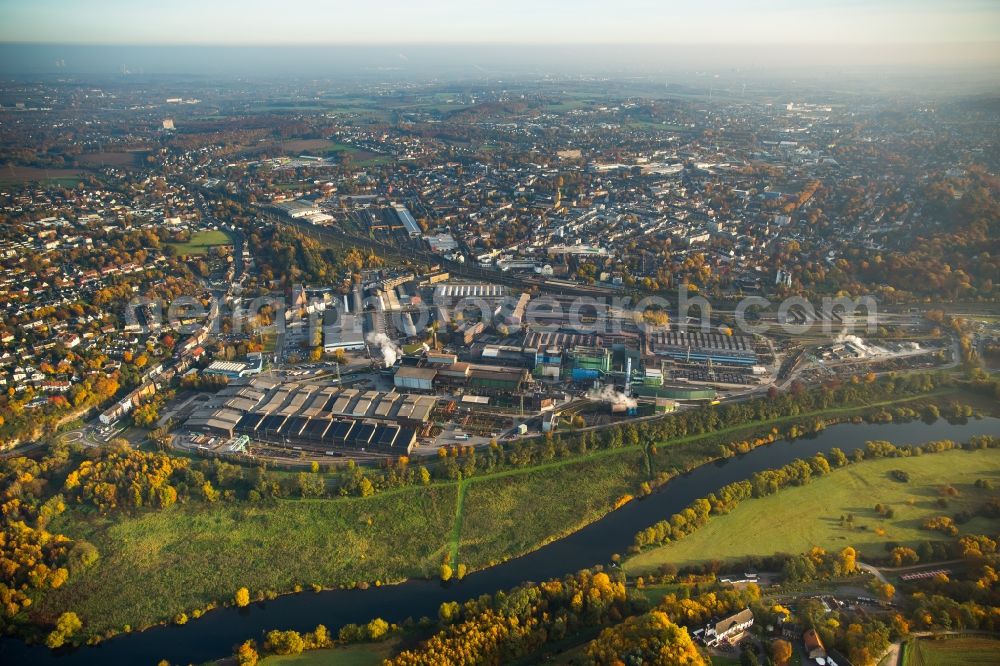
[891,656]
[874,571]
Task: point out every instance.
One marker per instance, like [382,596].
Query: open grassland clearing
[507,515]
[368,654]
[185,557]
[797,518]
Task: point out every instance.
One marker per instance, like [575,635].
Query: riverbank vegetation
[161,521]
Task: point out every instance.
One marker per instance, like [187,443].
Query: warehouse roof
[408,372]
[498,375]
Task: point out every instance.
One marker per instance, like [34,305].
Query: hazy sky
[499,21]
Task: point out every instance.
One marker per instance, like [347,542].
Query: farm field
[968,651]
[18,175]
[797,518]
[123,158]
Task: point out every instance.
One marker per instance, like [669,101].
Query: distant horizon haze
[461,61]
[321,22]
[891,43]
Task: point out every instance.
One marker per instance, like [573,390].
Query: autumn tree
[649,639]
[886,591]
[781,652]
[285,642]
[377,629]
[848,560]
[246,654]
[66,626]
[901,556]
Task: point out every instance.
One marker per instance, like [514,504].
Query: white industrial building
[341,330]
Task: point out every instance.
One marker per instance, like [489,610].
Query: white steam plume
[390,352]
[845,337]
[609,395]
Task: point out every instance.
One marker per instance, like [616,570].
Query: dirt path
[456,529]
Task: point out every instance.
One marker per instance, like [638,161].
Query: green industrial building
[508,381]
[591,358]
[674,393]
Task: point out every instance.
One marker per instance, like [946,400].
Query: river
[216,633]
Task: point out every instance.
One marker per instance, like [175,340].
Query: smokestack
[628,376]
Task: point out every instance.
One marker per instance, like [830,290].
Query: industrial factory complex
[487,361]
[428,361]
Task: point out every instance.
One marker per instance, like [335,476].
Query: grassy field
[369,654]
[323,147]
[559,500]
[187,556]
[366,158]
[393,535]
[201,241]
[966,651]
[798,518]
[312,146]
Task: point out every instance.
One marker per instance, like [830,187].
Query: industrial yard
[431,362]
